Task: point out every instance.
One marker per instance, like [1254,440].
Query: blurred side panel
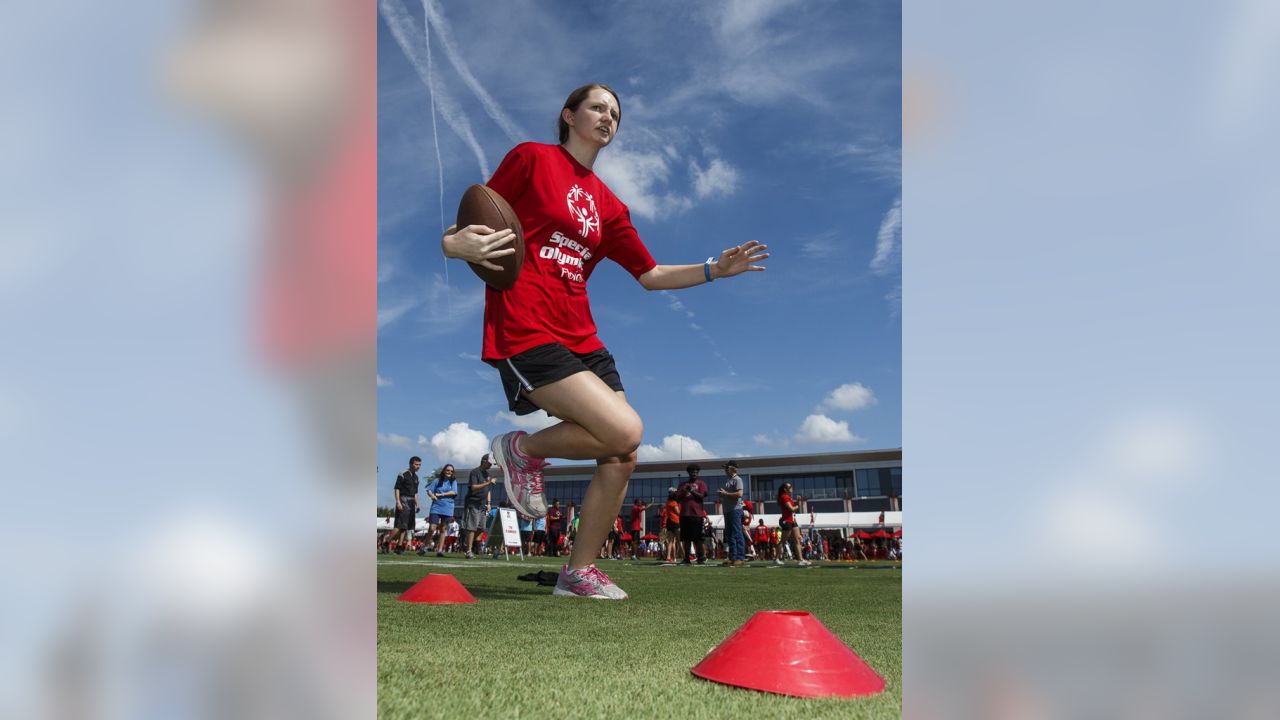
[187,390]
[1089,313]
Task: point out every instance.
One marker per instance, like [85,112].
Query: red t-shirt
[691,503]
[787,514]
[571,220]
[672,512]
[636,512]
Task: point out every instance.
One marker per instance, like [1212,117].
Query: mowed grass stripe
[519,652]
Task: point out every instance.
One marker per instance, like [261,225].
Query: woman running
[787,524]
[540,335]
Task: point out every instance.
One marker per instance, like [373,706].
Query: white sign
[510,528]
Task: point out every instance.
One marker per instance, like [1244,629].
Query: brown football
[483,206]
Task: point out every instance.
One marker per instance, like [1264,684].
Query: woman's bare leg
[597,423]
[600,506]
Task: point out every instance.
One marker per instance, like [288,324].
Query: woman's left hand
[740,259]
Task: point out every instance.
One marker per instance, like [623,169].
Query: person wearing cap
[731,493]
[477,503]
[691,494]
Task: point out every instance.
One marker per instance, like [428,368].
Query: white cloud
[639,179]
[384,382]
[894,297]
[532,422]
[822,246]
[395,441]
[468,356]
[723,386]
[820,429]
[888,240]
[674,447]
[675,302]
[876,158]
[458,443]
[850,396]
[761,439]
[719,179]
[388,313]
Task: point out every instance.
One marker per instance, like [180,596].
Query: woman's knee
[624,436]
[623,463]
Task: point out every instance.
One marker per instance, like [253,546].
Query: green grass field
[519,652]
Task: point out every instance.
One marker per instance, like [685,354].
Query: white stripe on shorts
[527,385]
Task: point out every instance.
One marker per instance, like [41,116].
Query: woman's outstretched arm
[733,261]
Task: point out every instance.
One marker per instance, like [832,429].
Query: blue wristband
[706,268]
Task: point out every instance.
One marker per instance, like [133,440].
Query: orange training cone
[437,589]
[790,653]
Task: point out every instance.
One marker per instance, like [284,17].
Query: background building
[868,481]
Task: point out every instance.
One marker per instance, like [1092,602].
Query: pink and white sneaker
[588,582]
[521,475]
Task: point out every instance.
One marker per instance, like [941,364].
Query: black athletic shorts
[546,364]
[690,529]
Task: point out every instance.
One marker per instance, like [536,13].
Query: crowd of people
[685,534]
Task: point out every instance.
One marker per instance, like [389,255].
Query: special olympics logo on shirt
[583,209]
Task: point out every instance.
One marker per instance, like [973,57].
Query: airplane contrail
[401,25]
[514,132]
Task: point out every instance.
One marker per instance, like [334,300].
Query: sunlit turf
[519,652]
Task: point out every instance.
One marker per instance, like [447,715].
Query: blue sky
[775,121]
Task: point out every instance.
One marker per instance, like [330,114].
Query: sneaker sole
[500,455]
[559,592]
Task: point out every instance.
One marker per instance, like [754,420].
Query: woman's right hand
[477,244]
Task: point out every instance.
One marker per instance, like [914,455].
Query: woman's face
[596,119]
[447,471]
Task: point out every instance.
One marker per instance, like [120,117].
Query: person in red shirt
[790,529]
[762,537]
[613,545]
[555,520]
[540,334]
[671,525]
[637,524]
[692,514]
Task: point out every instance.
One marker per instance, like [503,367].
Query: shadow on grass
[480,592]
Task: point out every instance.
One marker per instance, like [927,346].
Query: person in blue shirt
[525,523]
[443,491]
[539,536]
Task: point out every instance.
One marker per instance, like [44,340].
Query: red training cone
[437,589]
[789,652]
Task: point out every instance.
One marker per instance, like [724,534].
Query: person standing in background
[442,492]
[555,522]
[691,493]
[637,525]
[731,495]
[671,525]
[406,491]
[476,504]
